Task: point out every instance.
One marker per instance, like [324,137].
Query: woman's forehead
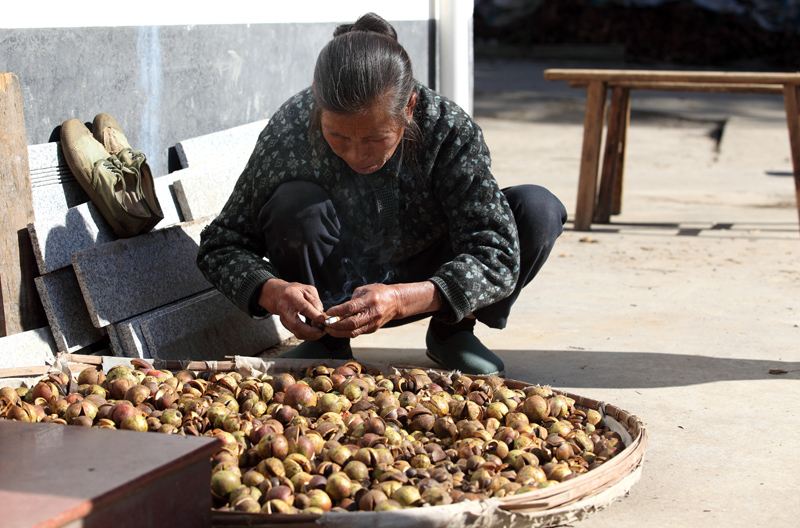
[376,119]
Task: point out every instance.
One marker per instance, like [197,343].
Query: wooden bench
[597,205]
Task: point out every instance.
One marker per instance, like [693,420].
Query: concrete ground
[685,310]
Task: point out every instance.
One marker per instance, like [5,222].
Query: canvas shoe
[107,131]
[111,186]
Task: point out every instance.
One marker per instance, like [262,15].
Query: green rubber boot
[463,351]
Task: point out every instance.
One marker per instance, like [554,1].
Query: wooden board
[63,475]
[666,86]
[671,76]
[22,309]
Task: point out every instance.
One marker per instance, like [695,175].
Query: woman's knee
[301,208]
[537,211]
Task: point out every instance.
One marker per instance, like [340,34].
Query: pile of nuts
[338,438]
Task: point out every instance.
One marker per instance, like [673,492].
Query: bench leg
[619,177]
[590,157]
[609,199]
[791,98]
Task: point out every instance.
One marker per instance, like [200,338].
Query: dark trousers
[306,244]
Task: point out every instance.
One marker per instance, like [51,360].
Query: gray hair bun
[369,22]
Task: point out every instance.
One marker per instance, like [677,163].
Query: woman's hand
[374,305]
[371,307]
[289,300]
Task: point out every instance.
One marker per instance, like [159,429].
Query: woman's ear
[412,102]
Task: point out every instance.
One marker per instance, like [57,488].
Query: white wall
[168,70]
[454,21]
[98,13]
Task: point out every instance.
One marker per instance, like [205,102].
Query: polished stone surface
[66,221]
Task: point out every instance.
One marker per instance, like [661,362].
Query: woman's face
[364,141]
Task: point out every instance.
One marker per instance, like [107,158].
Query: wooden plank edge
[676,76]
[18,372]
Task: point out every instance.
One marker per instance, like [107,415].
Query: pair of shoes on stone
[117,179]
[463,351]
[316,350]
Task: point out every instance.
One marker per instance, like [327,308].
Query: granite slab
[28,349]
[201,149]
[53,187]
[204,189]
[205,327]
[55,239]
[66,311]
[166,199]
[114,341]
[131,276]
[128,339]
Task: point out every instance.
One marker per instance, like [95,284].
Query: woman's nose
[357,153]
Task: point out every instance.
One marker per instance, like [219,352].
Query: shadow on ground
[645,370]
[618,370]
[759,230]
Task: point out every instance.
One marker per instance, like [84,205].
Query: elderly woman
[369,198]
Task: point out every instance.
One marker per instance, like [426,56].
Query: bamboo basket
[565,503]
[554,506]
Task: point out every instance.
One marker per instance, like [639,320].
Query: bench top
[588,75]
